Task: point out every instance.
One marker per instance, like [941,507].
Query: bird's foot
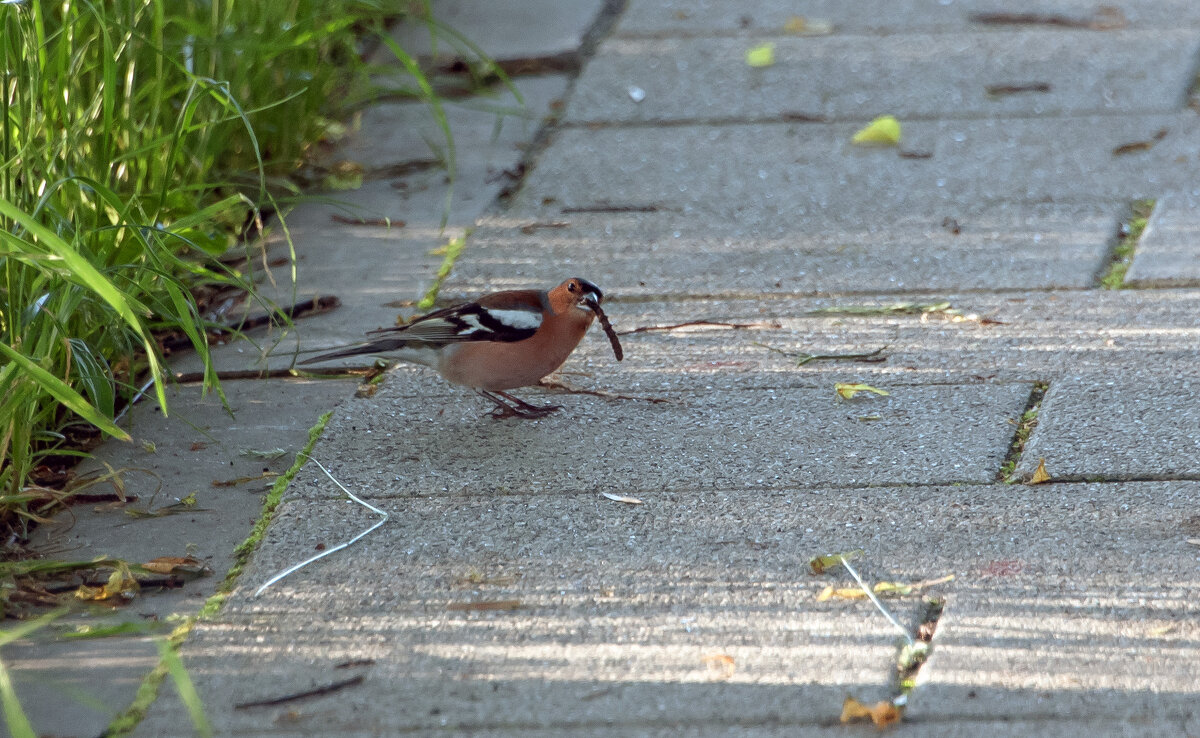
[518,407]
[516,412]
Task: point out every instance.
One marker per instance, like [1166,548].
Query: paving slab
[489,129]
[403,152]
[1168,253]
[1021,337]
[75,688]
[909,76]
[1089,626]
[504,30]
[733,17]
[796,171]
[1128,425]
[613,618]
[702,439]
[698,253]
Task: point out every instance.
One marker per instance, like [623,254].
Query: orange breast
[495,365]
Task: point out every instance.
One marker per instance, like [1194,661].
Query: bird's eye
[571,287]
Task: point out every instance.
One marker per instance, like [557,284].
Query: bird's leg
[540,410]
[519,408]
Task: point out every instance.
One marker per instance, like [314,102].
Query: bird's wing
[502,316]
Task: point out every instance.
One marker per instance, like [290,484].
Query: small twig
[1017,89]
[379,222]
[340,546]
[714,323]
[802,359]
[315,692]
[236,374]
[315,305]
[564,387]
[867,590]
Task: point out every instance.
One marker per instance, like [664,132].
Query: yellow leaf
[184,566]
[762,55]
[121,584]
[893,588]
[818,564]
[1040,474]
[884,131]
[846,390]
[842,593]
[795,24]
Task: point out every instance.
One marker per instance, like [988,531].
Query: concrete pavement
[507,595]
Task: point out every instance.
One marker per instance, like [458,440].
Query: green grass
[1114,277]
[1025,428]
[14,716]
[137,140]
[450,253]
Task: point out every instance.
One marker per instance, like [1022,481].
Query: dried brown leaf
[622,498]
[882,713]
[847,390]
[185,566]
[1040,474]
[720,665]
[842,593]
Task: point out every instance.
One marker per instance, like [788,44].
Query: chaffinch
[501,341]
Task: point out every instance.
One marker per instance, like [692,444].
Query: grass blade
[63,392]
[185,687]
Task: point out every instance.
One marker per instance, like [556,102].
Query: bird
[500,341]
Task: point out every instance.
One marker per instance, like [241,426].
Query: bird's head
[576,293]
[580,294]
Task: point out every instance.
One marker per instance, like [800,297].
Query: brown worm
[608,331]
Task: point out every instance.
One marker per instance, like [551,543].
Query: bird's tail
[382,346]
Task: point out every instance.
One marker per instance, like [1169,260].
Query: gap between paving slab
[1168,253]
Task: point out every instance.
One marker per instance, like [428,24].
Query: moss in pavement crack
[1025,427]
[124,723]
[1131,233]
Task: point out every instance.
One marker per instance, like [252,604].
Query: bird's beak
[592,300]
